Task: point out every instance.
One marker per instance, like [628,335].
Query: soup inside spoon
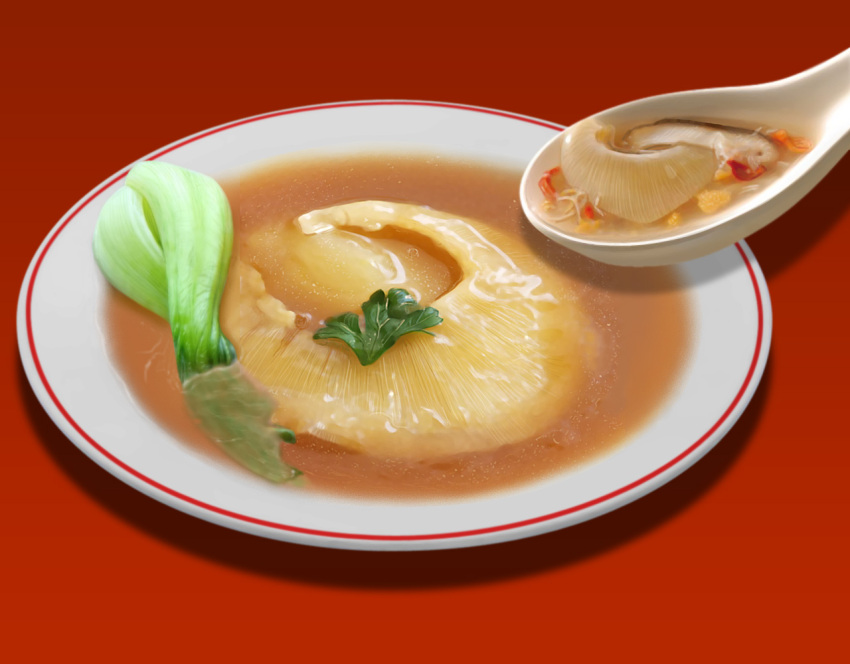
[672,141]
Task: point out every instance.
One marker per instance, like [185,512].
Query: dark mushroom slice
[745,146]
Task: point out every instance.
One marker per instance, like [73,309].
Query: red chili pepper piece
[588,211]
[546,185]
[743,172]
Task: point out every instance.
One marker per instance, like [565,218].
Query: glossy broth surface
[641,318]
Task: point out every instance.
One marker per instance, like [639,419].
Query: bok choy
[164,240]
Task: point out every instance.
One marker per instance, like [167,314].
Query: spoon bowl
[816,101]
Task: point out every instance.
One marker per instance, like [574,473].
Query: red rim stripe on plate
[354,536]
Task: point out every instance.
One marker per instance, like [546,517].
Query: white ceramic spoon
[815,103]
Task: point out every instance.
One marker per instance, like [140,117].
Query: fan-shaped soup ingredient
[513,346]
[639,186]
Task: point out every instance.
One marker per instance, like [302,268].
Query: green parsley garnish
[387,316]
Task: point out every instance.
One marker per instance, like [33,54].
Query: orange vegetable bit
[794,143]
[743,172]
[546,186]
[588,212]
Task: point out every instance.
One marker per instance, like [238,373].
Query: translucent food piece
[330,271]
[638,186]
[512,350]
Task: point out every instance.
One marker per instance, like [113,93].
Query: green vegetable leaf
[387,316]
[237,415]
[164,239]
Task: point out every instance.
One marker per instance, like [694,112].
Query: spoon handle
[824,91]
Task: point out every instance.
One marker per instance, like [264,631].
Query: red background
[743,555]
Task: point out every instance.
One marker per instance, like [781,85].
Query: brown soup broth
[640,315]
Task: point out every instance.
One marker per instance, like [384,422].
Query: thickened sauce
[641,317]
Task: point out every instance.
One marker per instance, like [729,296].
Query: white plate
[66,360]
